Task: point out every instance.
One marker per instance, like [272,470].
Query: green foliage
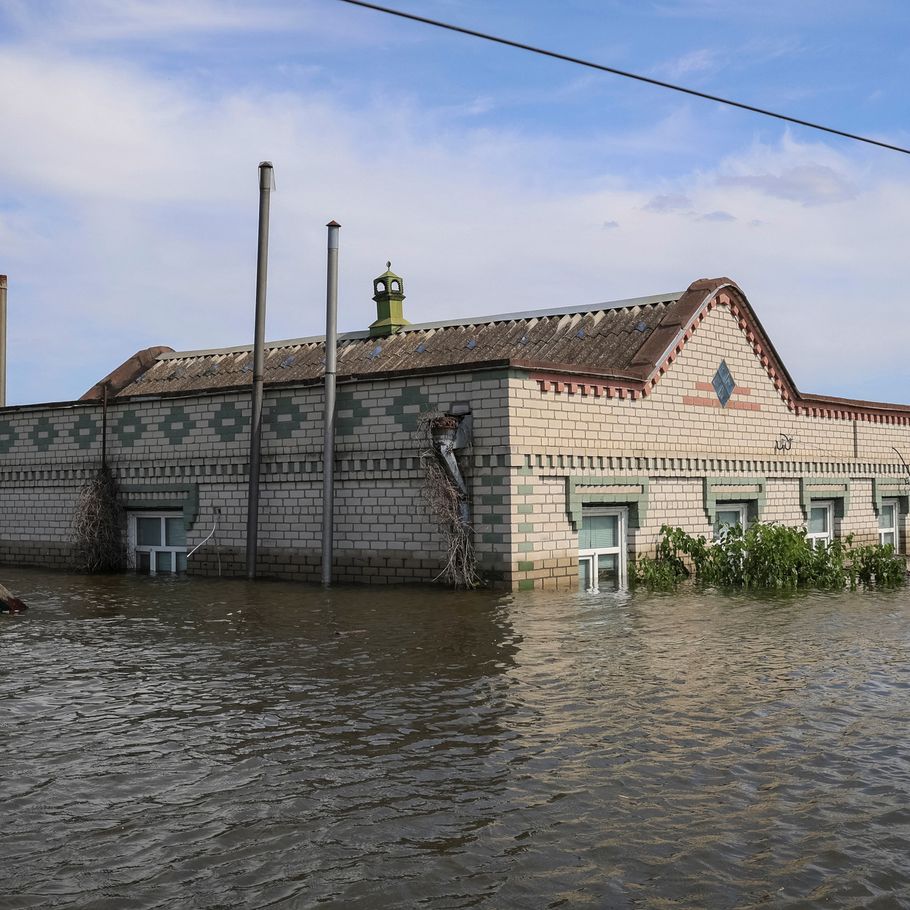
[769,556]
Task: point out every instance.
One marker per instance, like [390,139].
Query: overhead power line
[578,61]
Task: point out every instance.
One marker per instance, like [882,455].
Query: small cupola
[388,292]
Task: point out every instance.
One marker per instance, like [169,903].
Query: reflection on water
[200,743]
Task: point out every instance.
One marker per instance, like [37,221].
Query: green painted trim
[190,503]
[891,489]
[714,493]
[623,494]
[825,488]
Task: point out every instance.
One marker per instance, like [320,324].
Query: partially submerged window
[602,549]
[888,524]
[821,523]
[729,515]
[157,542]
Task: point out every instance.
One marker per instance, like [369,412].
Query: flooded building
[586,428]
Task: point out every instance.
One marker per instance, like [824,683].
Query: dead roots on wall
[98,525]
[448,506]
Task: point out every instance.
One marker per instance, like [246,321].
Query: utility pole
[266,185]
[2,341]
[328,446]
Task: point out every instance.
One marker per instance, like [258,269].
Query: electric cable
[567,58]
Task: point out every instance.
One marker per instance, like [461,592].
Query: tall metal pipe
[2,341]
[266,185]
[328,446]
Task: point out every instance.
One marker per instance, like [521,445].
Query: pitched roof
[604,338]
[623,347]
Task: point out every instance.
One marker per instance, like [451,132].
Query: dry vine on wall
[448,504]
[99,519]
[98,523]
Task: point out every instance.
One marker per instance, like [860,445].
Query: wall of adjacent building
[192,452]
[656,454]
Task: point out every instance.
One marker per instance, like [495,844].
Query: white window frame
[895,528]
[818,537]
[741,507]
[622,548]
[134,548]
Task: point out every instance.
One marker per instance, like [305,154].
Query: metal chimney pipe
[266,185]
[2,341]
[328,446]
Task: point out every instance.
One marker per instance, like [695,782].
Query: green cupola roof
[388,292]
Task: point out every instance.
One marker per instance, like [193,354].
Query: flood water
[215,744]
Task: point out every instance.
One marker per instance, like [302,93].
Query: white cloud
[105,20]
[135,217]
[692,63]
[806,183]
[668,202]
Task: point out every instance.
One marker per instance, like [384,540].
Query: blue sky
[493,180]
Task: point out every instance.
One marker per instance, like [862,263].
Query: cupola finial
[388,292]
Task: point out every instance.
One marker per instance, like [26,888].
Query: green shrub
[769,556]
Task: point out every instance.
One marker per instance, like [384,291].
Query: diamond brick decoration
[723,383]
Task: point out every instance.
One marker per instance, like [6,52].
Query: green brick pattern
[129,428]
[406,407]
[349,413]
[8,436]
[177,425]
[43,434]
[84,432]
[282,417]
[228,421]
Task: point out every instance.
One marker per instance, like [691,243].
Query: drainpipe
[328,446]
[2,341]
[266,185]
[448,435]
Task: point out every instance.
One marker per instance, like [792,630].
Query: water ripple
[207,744]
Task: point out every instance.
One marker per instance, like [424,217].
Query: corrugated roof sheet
[607,339]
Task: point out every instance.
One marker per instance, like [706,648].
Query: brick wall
[676,438]
[192,453]
[537,454]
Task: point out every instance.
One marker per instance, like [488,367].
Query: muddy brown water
[199,743]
